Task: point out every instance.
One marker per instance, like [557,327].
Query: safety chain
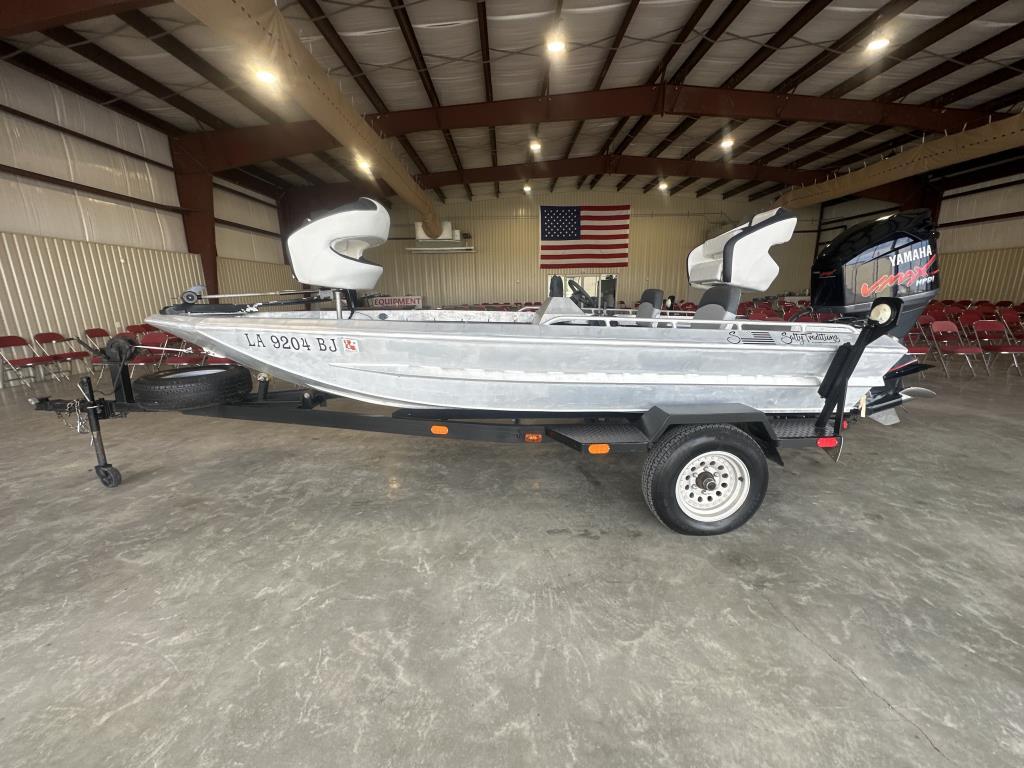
[80,425]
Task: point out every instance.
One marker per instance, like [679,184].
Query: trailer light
[438,429]
[599,448]
[533,437]
[828,442]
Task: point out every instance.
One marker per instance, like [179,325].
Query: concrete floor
[276,596]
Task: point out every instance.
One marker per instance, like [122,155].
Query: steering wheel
[580,296]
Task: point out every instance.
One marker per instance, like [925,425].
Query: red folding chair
[948,342]
[825,317]
[153,347]
[1004,303]
[58,354]
[1011,319]
[21,369]
[98,337]
[994,339]
[139,329]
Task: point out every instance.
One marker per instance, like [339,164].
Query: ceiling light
[266,77]
[662,185]
[364,164]
[878,44]
[555,45]
[727,144]
[527,188]
[535,146]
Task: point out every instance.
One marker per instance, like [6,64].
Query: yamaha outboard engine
[894,256]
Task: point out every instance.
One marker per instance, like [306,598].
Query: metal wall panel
[246,276]
[504,266]
[995,275]
[55,284]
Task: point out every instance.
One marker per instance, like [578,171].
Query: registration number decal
[300,343]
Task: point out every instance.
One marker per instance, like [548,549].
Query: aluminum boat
[558,359]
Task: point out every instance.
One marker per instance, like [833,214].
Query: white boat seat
[328,252]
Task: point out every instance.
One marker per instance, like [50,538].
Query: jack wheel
[109,476]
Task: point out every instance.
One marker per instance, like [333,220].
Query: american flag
[584,236]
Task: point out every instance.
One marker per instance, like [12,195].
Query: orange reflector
[533,437]
[599,448]
[438,429]
[828,442]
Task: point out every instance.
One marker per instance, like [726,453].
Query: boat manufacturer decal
[812,337]
[350,345]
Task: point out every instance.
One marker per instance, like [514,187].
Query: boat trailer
[591,434]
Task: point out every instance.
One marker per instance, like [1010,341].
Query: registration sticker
[350,345]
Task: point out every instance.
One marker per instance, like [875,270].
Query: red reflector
[846,424]
[828,442]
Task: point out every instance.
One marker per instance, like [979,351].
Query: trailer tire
[705,479]
[199,386]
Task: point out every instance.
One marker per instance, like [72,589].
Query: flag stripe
[605,208]
[581,255]
[604,218]
[589,247]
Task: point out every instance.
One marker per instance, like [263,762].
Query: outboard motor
[895,256]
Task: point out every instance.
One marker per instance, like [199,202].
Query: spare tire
[198,386]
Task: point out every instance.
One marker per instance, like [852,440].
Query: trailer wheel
[705,479]
[197,386]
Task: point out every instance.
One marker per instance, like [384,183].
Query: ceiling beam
[997,42]
[257,27]
[485,61]
[267,184]
[21,16]
[658,73]
[330,35]
[52,74]
[103,58]
[844,44]
[912,47]
[797,22]
[163,39]
[413,44]
[943,152]
[620,33]
[241,145]
[602,164]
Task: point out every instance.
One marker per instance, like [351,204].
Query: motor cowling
[893,256]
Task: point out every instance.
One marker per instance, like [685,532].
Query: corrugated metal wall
[996,275]
[245,276]
[504,266]
[53,284]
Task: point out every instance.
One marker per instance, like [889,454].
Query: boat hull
[521,366]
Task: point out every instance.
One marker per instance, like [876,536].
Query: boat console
[738,260]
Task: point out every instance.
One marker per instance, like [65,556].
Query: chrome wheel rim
[712,486]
